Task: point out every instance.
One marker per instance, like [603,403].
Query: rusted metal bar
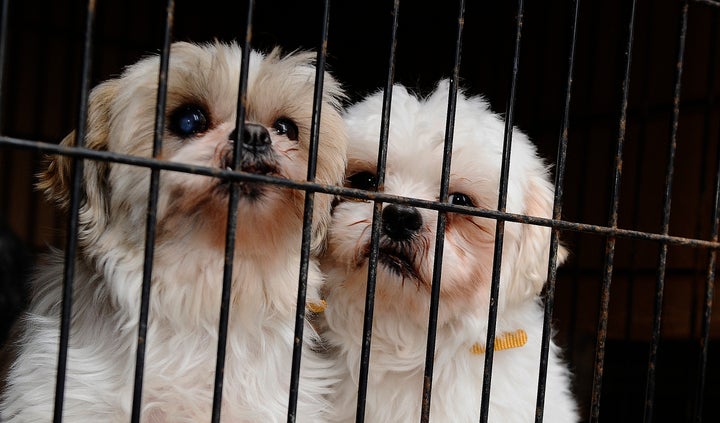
[73,213]
[713,3]
[376,222]
[307,217]
[238,176]
[231,227]
[612,223]
[151,222]
[3,57]
[557,212]
[500,225]
[442,219]
[662,262]
[709,284]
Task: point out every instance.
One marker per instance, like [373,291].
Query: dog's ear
[321,222]
[533,254]
[55,180]
[332,162]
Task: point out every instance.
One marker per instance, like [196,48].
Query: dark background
[40,97]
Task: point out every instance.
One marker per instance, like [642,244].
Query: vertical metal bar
[3,54]
[152,213]
[442,217]
[500,225]
[232,219]
[699,393]
[307,217]
[557,214]
[626,402]
[612,222]
[659,288]
[707,306]
[72,228]
[5,159]
[581,203]
[376,221]
[707,130]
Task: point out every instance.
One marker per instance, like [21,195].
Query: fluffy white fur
[188,262]
[402,298]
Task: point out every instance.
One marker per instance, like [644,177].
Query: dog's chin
[249,191]
[395,261]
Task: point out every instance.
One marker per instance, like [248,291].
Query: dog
[405,268]
[187,273]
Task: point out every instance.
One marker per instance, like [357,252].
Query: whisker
[359,222]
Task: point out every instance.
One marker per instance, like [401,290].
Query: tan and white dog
[189,250]
[404,274]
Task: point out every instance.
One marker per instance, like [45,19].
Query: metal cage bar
[307,216]
[377,220]
[3,56]
[698,400]
[639,182]
[238,176]
[72,228]
[4,158]
[611,230]
[152,213]
[705,181]
[440,231]
[232,218]
[500,225]
[714,3]
[557,212]
[662,262]
[708,303]
[612,222]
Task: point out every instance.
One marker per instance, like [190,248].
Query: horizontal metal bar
[352,193]
[714,3]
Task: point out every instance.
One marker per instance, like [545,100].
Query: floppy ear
[321,222]
[531,267]
[55,180]
[332,174]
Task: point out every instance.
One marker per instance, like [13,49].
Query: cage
[622,95]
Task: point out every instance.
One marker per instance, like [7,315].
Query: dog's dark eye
[287,127]
[188,120]
[460,199]
[363,180]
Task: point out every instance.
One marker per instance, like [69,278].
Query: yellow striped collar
[504,341]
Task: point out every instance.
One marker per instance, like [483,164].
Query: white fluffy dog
[404,273]
[190,245]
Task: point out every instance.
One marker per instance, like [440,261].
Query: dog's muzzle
[256,153]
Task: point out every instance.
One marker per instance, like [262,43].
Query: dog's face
[407,239]
[199,127]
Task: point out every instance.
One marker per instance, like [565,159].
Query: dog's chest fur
[397,366]
[180,357]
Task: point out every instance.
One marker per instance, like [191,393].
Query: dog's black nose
[255,137]
[400,222]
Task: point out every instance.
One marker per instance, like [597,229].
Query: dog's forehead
[416,137]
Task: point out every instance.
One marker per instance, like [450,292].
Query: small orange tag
[505,341]
[317,307]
